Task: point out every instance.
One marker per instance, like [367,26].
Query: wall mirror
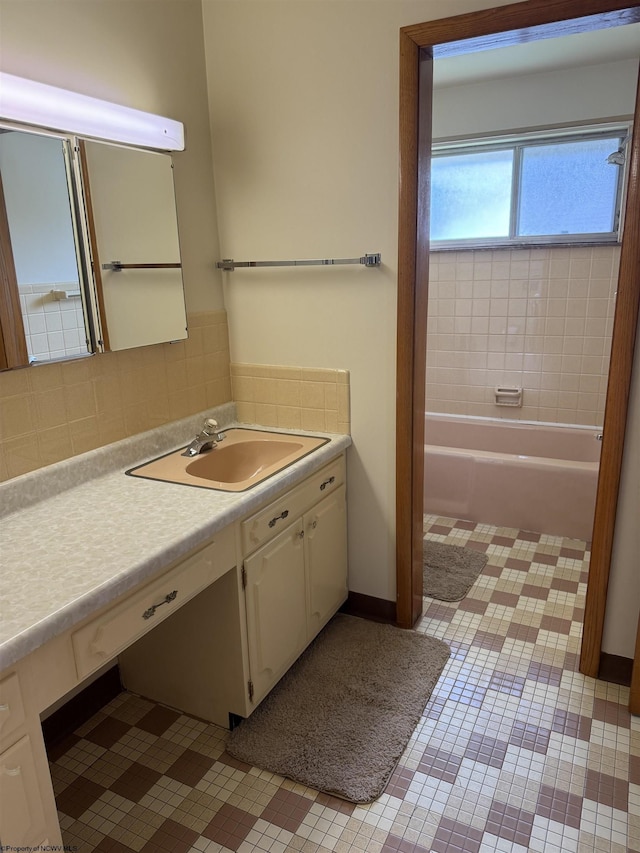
[89,237]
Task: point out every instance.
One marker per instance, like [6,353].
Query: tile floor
[516,751]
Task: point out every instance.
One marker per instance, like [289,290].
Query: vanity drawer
[105,636]
[11,707]
[272,519]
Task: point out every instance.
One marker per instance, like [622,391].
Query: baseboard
[615,669]
[82,706]
[369,607]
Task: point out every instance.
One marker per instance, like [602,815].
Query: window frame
[517,142]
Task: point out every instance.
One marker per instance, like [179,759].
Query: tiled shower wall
[49,412]
[540,319]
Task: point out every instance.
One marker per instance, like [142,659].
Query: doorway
[419,45]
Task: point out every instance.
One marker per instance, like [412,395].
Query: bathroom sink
[243,459]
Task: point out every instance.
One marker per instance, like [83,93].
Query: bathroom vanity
[205,598]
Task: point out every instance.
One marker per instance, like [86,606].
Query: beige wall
[304,116]
[584,94]
[149,56]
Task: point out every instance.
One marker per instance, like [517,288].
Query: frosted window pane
[471,195]
[568,188]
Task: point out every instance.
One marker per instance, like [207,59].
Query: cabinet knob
[300,534]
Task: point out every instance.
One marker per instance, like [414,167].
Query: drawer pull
[14,771]
[326,483]
[277,518]
[170,596]
[4,706]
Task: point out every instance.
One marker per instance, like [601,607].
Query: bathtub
[538,477]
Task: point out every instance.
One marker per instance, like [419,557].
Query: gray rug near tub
[340,719]
[450,570]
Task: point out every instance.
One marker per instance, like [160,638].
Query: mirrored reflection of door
[35,178]
[134,223]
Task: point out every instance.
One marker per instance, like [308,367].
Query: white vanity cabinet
[224,651]
[276,603]
[27,808]
[297,580]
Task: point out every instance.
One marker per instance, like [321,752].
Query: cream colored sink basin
[245,458]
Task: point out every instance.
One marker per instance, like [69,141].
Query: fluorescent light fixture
[28,102]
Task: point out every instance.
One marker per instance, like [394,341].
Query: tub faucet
[206,439]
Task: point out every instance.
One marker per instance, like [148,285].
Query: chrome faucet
[206,439]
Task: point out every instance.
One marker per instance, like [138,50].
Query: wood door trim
[490,28]
[93,244]
[13,344]
[615,419]
[634,691]
[408,435]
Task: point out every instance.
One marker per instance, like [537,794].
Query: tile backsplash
[55,410]
[292,397]
[540,319]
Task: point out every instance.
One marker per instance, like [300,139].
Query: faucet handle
[210,426]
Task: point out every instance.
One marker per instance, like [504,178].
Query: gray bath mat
[450,570]
[342,716]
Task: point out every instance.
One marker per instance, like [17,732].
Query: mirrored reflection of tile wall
[53,320]
[540,319]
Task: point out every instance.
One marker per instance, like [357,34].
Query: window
[536,189]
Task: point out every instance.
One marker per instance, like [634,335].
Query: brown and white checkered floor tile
[516,751]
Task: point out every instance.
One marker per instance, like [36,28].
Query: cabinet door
[276,607]
[325,541]
[22,820]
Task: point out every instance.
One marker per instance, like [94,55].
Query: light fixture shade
[28,102]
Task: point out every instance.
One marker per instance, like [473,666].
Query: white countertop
[67,554]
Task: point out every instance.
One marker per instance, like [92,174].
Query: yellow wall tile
[312,395]
[17,416]
[267,414]
[79,400]
[297,393]
[314,419]
[15,382]
[22,455]
[52,411]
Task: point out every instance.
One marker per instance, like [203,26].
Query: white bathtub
[539,477]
